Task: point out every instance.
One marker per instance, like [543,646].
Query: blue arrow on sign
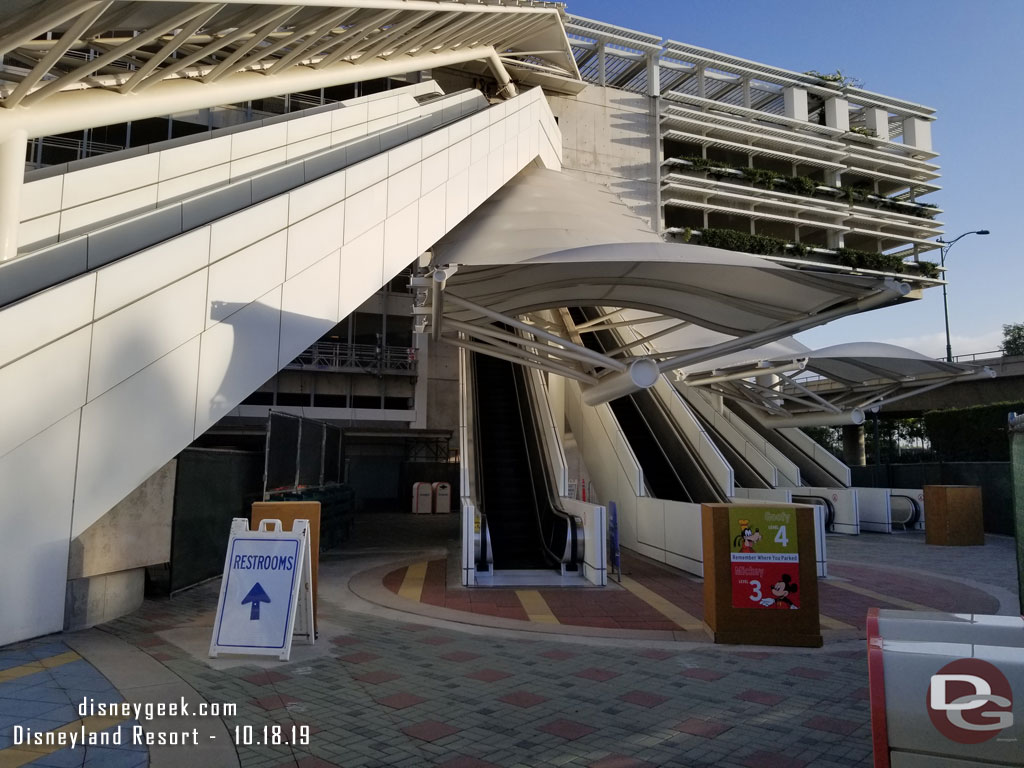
[255,597]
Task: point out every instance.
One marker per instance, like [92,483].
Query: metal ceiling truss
[535,340]
[791,401]
[53,46]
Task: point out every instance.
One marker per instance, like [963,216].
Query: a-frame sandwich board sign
[265,595]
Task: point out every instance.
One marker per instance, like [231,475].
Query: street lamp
[946,245]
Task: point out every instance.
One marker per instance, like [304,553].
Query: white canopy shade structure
[833,385]
[498,275]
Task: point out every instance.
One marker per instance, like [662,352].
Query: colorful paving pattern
[42,683]
[844,597]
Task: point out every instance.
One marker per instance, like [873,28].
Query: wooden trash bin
[953,516]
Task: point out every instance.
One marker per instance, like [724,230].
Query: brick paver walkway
[394,691]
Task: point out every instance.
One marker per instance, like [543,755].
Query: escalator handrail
[478,475]
[553,504]
[519,382]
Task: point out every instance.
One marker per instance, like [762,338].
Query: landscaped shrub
[977,433]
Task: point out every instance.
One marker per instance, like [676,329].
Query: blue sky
[961,57]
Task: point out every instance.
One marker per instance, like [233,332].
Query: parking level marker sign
[265,595]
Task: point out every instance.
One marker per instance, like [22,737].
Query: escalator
[526,528]
[746,475]
[670,466]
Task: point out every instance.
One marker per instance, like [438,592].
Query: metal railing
[363,358]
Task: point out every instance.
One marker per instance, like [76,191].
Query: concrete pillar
[837,113]
[421,342]
[795,102]
[702,86]
[653,75]
[601,64]
[747,101]
[853,445]
[878,121]
[12,175]
[917,133]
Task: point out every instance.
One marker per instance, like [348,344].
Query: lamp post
[945,246]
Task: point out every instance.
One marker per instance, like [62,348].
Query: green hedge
[762,245]
[977,433]
[804,186]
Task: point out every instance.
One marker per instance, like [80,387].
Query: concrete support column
[12,175]
[795,103]
[702,86]
[601,64]
[878,121]
[420,402]
[837,113]
[653,75]
[853,445]
[917,133]
[747,101]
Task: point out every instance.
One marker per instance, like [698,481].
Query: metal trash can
[946,689]
[422,499]
[442,498]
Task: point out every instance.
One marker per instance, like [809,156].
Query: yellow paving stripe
[15,757]
[412,584]
[535,606]
[829,623]
[879,596]
[30,668]
[666,608]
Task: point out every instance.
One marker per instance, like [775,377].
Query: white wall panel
[74,220]
[431,219]
[130,431]
[41,197]
[246,227]
[132,338]
[403,188]
[183,185]
[456,199]
[458,157]
[361,270]
[349,116]
[248,143]
[126,280]
[40,231]
[103,181]
[434,171]
[365,210]
[261,161]
[367,173]
[436,141]
[477,192]
[314,237]
[309,307]
[402,157]
[237,355]
[315,196]
[400,240]
[34,547]
[308,127]
[49,315]
[55,375]
[197,156]
[307,146]
[244,276]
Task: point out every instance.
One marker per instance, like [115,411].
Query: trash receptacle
[954,515]
[442,498]
[942,689]
[422,499]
